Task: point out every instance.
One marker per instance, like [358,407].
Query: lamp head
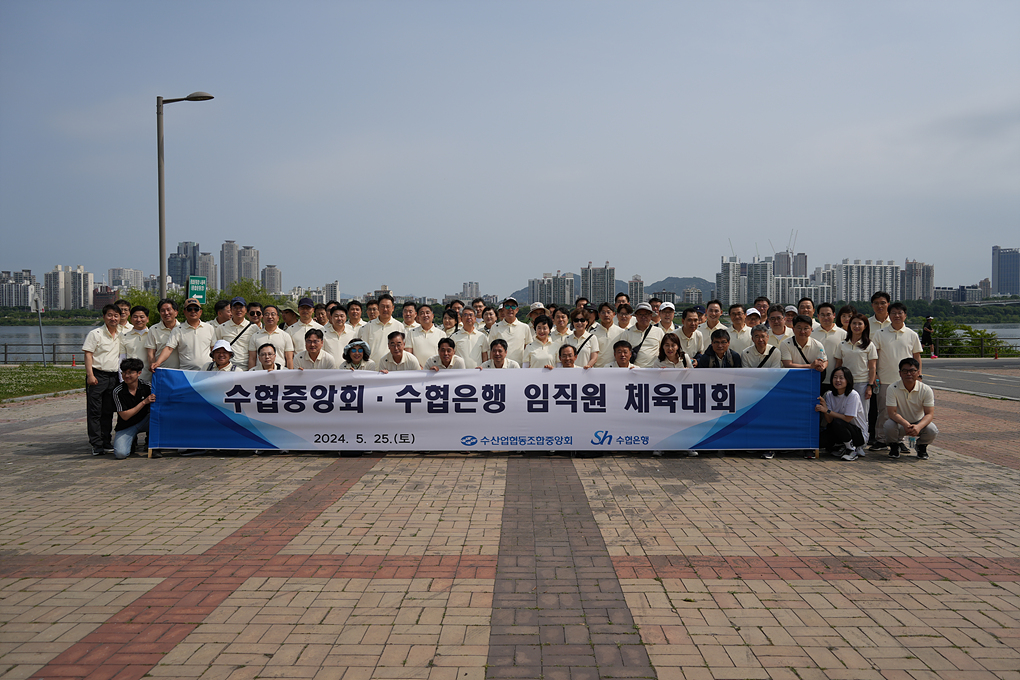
[199,97]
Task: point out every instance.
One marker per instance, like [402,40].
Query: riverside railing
[32,353]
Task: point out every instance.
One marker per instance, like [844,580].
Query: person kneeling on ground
[911,407]
[845,422]
[131,398]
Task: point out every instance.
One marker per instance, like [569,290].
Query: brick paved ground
[454,567]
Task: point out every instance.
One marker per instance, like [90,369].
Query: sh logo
[602,437]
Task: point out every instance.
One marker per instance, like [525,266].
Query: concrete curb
[30,397]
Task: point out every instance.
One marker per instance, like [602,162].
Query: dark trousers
[839,431]
[99,409]
[873,414]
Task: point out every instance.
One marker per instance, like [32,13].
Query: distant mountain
[674,284]
[677,285]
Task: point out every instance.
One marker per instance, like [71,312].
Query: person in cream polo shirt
[159,334]
[192,339]
[103,347]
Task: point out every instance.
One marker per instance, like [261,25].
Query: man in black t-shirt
[131,399]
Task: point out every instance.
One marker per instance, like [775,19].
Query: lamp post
[193,97]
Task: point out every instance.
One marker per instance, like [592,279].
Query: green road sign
[196,288]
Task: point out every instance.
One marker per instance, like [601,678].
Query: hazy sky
[424,144]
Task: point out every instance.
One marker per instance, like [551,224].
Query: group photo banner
[472,410]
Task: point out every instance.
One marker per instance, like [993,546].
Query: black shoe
[768,455]
[922,452]
[878,446]
[894,450]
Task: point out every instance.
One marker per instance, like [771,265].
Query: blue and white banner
[461,410]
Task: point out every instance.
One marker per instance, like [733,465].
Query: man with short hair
[806,307]
[910,408]
[456,305]
[470,344]
[644,338]
[581,302]
[423,342]
[313,356]
[656,304]
[606,333]
[372,310]
[803,351]
[894,342]
[409,312]
[255,313]
[305,322]
[713,319]
[222,311]
[478,304]
[354,319]
[131,401]
[880,306]
[320,315]
[778,331]
[193,339]
[397,359]
[338,334]
[102,347]
[497,356]
[378,330]
[280,339]
[134,339]
[719,354]
[238,330]
[124,308]
[760,354]
[625,316]
[447,357]
[763,305]
[740,332]
[692,342]
[831,336]
[622,352]
[159,334]
[516,334]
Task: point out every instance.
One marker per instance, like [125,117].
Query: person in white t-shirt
[472,345]
[397,359]
[498,357]
[447,357]
[622,352]
[540,353]
[266,354]
[778,330]
[671,355]
[354,312]
[666,312]
[607,332]
[644,337]
[740,332]
[803,351]
[845,422]
[760,354]
[713,319]
[357,357]
[894,342]
[409,312]
[586,345]
[423,342]
[692,342]
[314,356]
[806,307]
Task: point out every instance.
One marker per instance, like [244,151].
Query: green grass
[28,379]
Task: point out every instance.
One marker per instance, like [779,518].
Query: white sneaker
[852,455]
[692,454]
[657,454]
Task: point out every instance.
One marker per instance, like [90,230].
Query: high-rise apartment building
[469,291]
[598,284]
[636,290]
[727,282]
[786,289]
[248,263]
[664,295]
[857,281]
[68,288]
[1005,271]
[760,275]
[228,264]
[552,290]
[207,268]
[800,264]
[917,281]
[54,285]
[692,296]
[563,289]
[124,279]
[17,288]
[782,264]
[272,281]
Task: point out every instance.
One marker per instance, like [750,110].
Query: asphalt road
[972,376]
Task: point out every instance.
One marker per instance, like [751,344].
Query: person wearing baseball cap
[517,335]
[644,337]
[238,331]
[222,358]
[192,339]
[666,312]
[305,322]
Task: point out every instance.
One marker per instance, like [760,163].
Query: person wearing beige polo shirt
[159,334]
[102,347]
[397,359]
[193,340]
[313,357]
[894,342]
[275,336]
[238,331]
[378,330]
[910,406]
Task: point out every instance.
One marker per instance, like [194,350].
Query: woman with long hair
[859,354]
[845,422]
[671,355]
[843,317]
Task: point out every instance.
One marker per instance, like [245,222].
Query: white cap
[535,306]
[667,305]
[222,344]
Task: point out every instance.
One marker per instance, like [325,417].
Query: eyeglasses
[908,370]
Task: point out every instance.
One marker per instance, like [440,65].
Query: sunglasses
[193,308]
[254,313]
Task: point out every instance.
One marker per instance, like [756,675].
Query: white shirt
[539,354]
[849,404]
[105,349]
[228,331]
[751,357]
[323,361]
[334,342]
[470,347]
[156,340]
[298,330]
[193,344]
[436,362]
[692,346]
[740,340]
[830,341]
[812,350]
[425,344]
[893,346]
[517,336]
[777,340]
[369,365]
[377,334]
[407,363]
[910,403]
[648,354]
[134,348]
[591,344]
[856,359]
[666,363]
[507,363]
[279,339]
[606,339]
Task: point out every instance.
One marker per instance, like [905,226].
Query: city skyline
[873,130]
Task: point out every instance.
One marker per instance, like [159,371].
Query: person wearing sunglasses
[193,340]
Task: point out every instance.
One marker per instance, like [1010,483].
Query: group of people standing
[868,365]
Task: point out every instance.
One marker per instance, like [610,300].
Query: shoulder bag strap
[767,356]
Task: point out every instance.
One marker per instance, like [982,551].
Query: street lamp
[193,97]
